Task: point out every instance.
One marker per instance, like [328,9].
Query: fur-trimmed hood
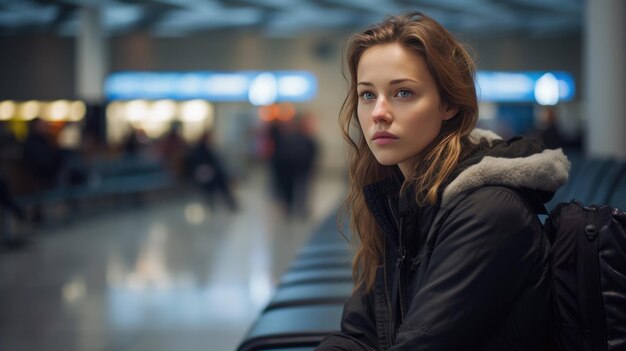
[517,162]
[520,163]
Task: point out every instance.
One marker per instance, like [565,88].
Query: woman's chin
[386,161]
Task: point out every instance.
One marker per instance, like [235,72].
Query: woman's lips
[383,141]
[383,138]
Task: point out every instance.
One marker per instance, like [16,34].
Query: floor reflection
[170,275]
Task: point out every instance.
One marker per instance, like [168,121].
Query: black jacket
[470,273]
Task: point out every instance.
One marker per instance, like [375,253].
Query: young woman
[449,252]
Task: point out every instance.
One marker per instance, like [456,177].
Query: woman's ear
[449,112]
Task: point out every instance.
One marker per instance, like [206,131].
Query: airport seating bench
[126,176]
[309,298]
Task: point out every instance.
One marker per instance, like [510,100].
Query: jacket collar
[519,163]
[389,206]
[380,197]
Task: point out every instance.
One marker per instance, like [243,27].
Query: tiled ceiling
[290,17]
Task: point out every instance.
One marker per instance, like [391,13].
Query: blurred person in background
[42,157]
[304,164]
[207,171]
[7,200]
[274,139]
[550,134]
[292,162]
[8,205]
[43,162]
[9,152]
[449,251]
[136,143]
[172,150]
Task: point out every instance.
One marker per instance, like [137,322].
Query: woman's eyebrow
[403,80]
[393,82]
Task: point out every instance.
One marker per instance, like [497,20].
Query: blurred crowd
[39,163]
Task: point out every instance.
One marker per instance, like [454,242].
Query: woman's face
[399,108]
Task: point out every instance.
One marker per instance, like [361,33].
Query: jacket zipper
[401,253]
[389,335]
[401,259]
[416,262]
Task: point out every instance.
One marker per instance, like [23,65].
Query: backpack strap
[534,201]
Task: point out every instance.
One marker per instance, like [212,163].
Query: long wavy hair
[453,71]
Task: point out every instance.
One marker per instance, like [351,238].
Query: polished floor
[167,275]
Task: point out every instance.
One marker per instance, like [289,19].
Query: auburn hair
[453,71]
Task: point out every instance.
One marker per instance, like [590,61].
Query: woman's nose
[381,111]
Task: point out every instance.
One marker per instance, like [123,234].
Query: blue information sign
[260,88]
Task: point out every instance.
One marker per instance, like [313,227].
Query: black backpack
[589,276]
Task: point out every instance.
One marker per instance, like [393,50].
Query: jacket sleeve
[479,263]
[358,326]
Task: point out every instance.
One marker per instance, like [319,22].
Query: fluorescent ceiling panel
[121,16]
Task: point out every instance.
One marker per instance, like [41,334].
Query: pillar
[605,75]
[91,56]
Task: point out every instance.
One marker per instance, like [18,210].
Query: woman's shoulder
[494,203]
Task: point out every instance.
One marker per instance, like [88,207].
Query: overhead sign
[545,88]
[257,87]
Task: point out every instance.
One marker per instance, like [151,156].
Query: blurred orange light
[288,112]
[265,113]
[280,112]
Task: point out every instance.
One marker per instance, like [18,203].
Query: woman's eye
[404,93]
[367,95]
